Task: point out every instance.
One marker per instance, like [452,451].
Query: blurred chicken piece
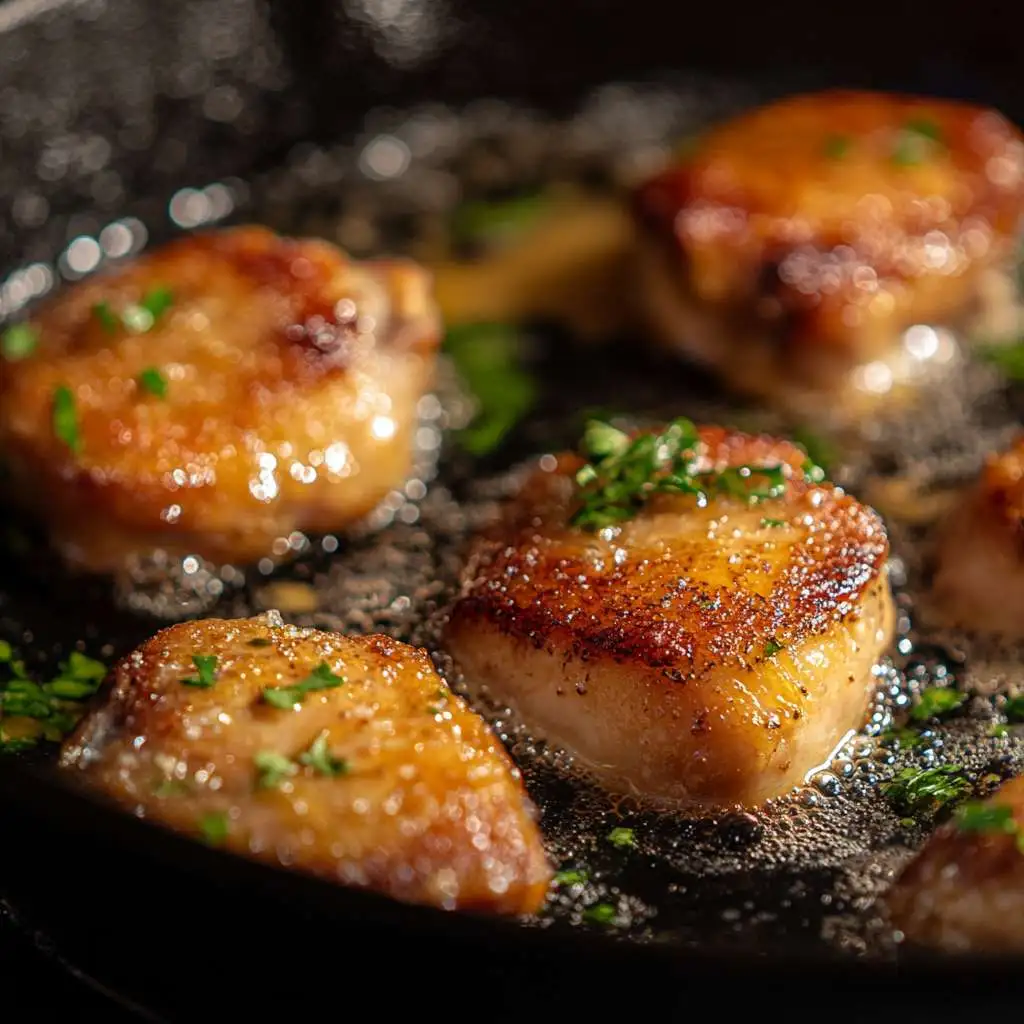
[823,251]
[215,395]
[345,758]
[707,652]
[964,891]
[979,576]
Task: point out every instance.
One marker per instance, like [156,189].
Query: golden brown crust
[964,891]
[838,215]
[537,579]
[430,810]
[273,350]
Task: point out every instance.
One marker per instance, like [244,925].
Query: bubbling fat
[809,867]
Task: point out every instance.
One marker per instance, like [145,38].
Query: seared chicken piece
[706,652]
[979,576]
[964,892]
[821,249]
[216,395]
[347,758]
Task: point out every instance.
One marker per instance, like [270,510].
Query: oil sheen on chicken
[828,249]
[371,772]
[979,577]
[708,656]
[964,891]
[216,395]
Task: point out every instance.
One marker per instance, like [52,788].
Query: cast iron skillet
[189,931]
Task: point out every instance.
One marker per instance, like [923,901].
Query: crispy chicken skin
[964,891]
[705,656]
[292,376]
[979,571]
[791,247]
[428,809]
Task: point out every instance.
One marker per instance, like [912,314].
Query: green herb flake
[273,768]
[486,223]
[917,791]
[260,641]
[65,419]
[599,913]
[772,648]
[19,341]
[772,523]
[153,381]
[487,359]
[998,731]
[570,876]
[56,705]
[926,128]
[6,652]
[321,760]
[107,318]
[206,668]
[985,817]
[622,473]
[937,702]
[837,146]
[914,142]
[1008,359]
[215,827]
[286,697]
[1014,709]
[157,301]
[821,451]
[623,838]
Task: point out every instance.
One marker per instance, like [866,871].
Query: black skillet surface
[211,89]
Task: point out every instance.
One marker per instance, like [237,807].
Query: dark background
[103,102]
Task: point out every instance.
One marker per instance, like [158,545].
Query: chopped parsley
[286,697]
[623,472]
[772,648]
[206,667]
[486,223]
[914,142]
[1014,709]
[822,452]
[977,816]
[273,768]
[773,523]
[570,876]
[487,359]
[321,760]
[65,419]
[106,317]
[998,730]
[623,838]
[18,342]
[837,146]
[1008,359]
[50,709]
[214,827]
[917,791]
[157,301]
[137,317]
[926,128]
[153,381]
[599,913]
[937,702]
